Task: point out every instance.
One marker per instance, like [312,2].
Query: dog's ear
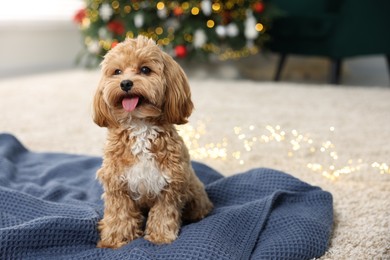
[100,111]
[178,104]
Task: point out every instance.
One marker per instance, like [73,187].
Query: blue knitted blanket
[50,205]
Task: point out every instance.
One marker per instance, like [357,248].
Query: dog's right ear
[100,111]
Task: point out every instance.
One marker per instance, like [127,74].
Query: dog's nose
[126,85]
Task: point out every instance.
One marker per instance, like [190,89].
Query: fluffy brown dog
[143,92]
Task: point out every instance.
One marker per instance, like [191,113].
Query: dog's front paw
[117,240]
[162,228]
[118,236]
[159,239]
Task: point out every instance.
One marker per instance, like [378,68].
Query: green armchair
[336,29]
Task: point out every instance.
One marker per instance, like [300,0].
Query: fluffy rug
[333,137]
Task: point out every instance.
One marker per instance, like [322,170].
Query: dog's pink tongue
[129,104]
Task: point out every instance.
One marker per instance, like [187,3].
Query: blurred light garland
[322,155]
[229,29]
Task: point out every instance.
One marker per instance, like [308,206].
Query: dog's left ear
[178,105]
[101,114]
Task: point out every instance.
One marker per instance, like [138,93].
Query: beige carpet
[335,137]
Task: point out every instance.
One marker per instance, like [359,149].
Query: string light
[185,6]
[259,27]
[127,9]
[160,5]
[159,30]
[115,4]
[216,7]
[195,11]
[320,157]
[210,23]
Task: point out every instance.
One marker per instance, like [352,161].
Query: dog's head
[141,81]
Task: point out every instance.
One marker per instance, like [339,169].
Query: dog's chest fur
[145,177]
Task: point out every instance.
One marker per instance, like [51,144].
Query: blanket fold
[50,205]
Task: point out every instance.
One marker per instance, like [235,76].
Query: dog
[146,172]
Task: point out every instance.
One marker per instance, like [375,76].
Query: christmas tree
[185,29]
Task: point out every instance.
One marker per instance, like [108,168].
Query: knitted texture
[50,205]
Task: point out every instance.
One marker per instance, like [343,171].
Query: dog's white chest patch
[144,178]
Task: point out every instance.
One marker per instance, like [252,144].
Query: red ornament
[116,27]
[226,17]
[181,51]
[177,11]
[113,44]
[79,16]
[258,7]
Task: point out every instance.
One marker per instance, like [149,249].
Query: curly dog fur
[146,170]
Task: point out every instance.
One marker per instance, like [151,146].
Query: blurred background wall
[38,36]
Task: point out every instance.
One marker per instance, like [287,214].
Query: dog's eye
[117,72]
[145,70]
